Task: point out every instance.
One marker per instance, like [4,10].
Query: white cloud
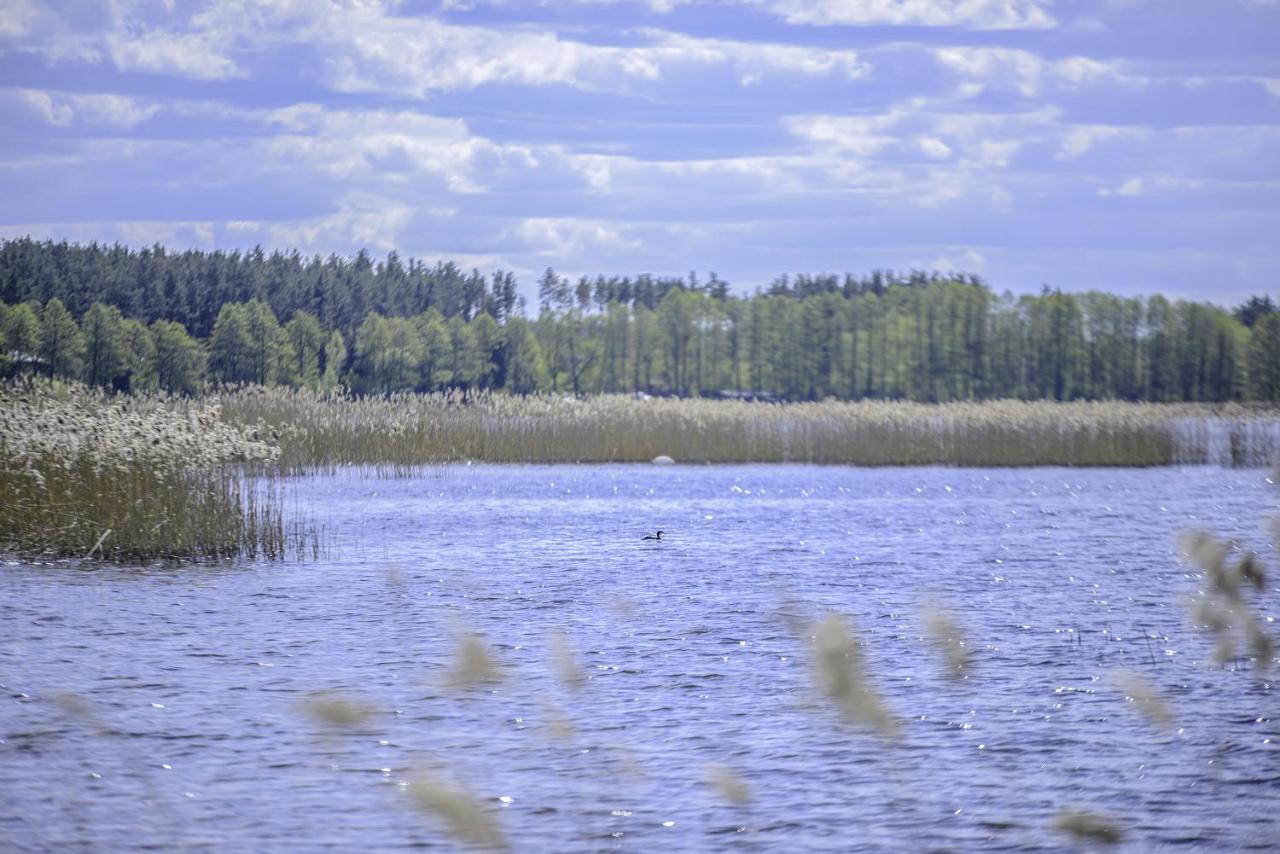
[362,46]
[61,109]
[362,219]
[963,141]
[1132,187]
[417,56]
[18,18]
[174,233]
[568,237]
[934,148]
[394,147]
[967,260]
[1081,139]
[1024,72]
[969,14]
[1148,184]
[966,14]
[162,52]
[861,136]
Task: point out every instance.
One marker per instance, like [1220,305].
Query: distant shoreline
[319,431]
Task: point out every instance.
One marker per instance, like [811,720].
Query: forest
[152,319]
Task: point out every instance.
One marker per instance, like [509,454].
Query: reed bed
[319,431]
[133,478]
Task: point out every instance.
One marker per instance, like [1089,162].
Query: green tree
[490,350]
[388,353]
[61,347]
[404,354]
[21,331]
[1264,358]
[333,360]
[178,359]
[139,356]
[230,359]
[526,368]
[306,341]
[105,356]
[1161,382]
[465,355]
[676,326]
[435,370]
[269,357]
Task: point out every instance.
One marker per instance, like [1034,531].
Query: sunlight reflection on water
[498,647]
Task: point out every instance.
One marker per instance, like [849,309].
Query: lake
[169,706]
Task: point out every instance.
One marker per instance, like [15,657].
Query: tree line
[149,318]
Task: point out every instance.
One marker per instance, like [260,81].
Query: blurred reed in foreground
[841,675]
[83,474]
[1088,827]
[404,430]
[1224,607]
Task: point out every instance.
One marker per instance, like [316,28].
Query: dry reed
[944,632]
[399,431]
[1145,697]
[1088,827]
[840,673]
[463,813]
[86,474]
[1225,609]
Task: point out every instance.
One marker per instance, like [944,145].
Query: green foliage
[435,369]
[1264,358]
[61,346]
[229,346]
[333,360]
[307,340]
[179,362]
[526,369]
[20,330]
[392,325]
[105,353]
[191,287]
[140,356]
[388,353]
[269,359]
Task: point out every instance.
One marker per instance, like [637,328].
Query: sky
[1125,145]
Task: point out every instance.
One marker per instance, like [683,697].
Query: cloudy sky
[1129,145]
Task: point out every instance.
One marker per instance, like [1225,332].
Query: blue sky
[1126,145]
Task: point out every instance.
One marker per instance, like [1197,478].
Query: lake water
[167,707]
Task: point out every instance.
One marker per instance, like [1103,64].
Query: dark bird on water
[652,537]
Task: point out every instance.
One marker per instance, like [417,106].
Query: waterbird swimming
[652,537]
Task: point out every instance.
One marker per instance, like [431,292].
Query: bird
[652,537]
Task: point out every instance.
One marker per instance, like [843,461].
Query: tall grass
[403,430]
[132,478]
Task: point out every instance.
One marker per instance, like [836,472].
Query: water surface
[187,727]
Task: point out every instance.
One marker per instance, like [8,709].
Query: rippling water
[164,707]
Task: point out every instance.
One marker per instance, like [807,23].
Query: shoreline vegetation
[320,432]
[86,474]
[155,476]
[145,477]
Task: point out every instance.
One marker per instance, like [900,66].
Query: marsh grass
[86,474]
[402,431]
